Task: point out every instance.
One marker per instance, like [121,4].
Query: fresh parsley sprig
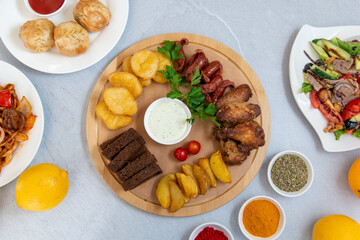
[171,51]
[194,98]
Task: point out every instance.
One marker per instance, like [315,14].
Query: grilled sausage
[180,63]
[210,70]
[212,85]
[197,60]
[221,89]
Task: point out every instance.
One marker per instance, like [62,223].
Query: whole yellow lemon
[336,227]
[354,177]
[41,187]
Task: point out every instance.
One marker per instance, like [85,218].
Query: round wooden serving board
[143,197]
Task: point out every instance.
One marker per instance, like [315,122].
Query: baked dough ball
[92,15]
[71,39]
[38,35]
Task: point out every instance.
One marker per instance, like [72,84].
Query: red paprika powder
[210,233]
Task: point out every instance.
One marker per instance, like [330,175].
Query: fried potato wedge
[201,177]
[204,163]
[219,168]
[177,198]
[113,121]
[163,61]
[126,80]
[163,190]
[120,101]
[189,171]
[144,64]
[146,82]
[127,65]
[187,184]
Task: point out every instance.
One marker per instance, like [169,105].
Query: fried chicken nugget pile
[119,102]
[239,133]
[145,65]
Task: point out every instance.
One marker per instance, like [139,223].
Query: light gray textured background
[262,32]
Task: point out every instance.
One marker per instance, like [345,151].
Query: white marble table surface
[262,32]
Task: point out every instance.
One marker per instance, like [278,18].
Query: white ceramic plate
[14,13]
[26,152]
[297,62]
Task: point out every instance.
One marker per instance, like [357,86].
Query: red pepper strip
[350,131]
[347,76]
[314,99]
[6,100]
[330,113]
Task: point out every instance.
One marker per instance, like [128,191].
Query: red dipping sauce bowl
[45,8]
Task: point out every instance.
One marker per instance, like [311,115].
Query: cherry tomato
[181,154]
[351,109]
[193,147]
[314,99]
[330,113]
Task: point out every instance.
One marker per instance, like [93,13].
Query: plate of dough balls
[76,36]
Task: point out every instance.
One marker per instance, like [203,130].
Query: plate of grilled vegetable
[325,77]
[205,134]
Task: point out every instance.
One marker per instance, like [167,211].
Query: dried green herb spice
[289,173]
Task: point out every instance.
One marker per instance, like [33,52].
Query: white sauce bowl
[148,115]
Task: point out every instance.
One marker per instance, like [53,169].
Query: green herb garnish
[357,133]
[306,88]
[338,133]
[194,98]
[171,51]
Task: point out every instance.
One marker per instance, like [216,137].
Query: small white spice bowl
[282,221]
[26,2]
[214,225]
[147,118]
[310,174]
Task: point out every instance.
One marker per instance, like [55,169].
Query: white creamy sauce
[167,121]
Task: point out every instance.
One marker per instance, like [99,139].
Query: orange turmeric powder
[261,218]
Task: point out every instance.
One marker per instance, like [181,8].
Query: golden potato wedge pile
[145,64]
[174,190]
[120,100]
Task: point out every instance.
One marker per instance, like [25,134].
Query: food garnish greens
[194,98]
